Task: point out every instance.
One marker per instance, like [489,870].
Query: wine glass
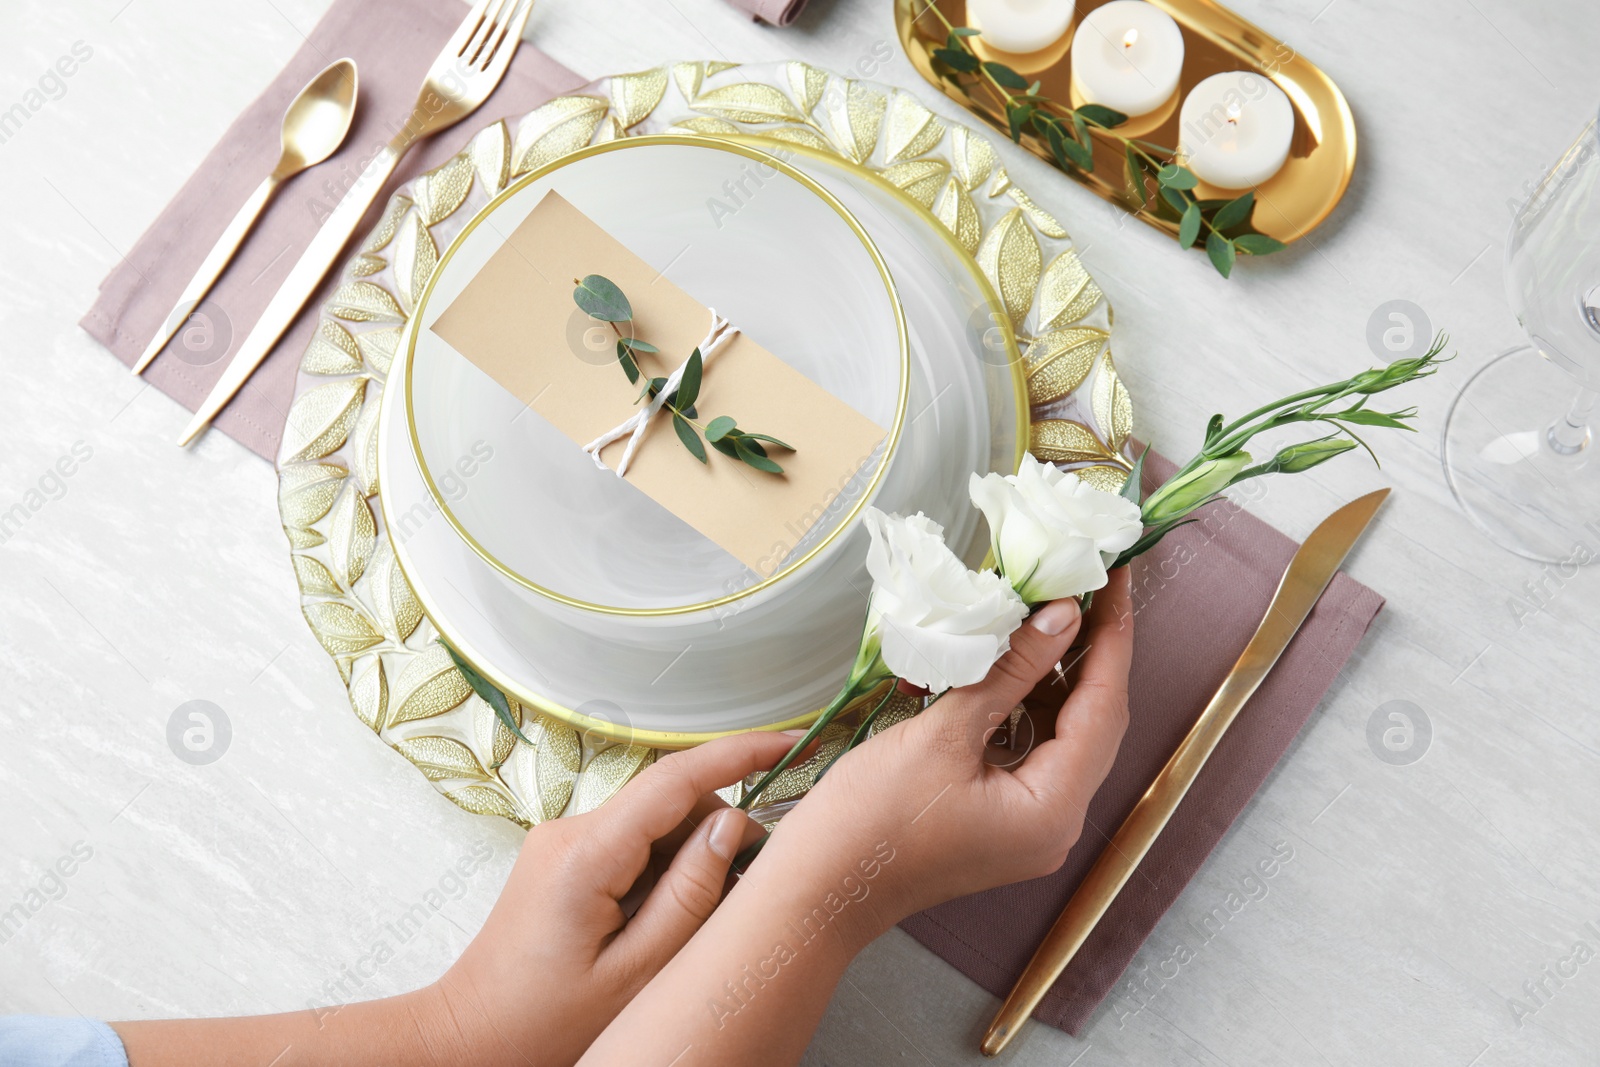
[1518,450]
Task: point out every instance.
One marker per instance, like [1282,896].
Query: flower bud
[1307,454]
[1183,494]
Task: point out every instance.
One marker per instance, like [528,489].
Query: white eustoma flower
[1053,534]
[940,624]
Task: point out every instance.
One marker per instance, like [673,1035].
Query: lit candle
[1234,130]
[1127,55]
[1020,26]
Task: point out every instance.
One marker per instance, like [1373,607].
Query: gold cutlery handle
[297,288]
[1123,853]
[1307,575]
[210,270]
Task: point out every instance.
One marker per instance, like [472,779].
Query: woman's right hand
[954,822]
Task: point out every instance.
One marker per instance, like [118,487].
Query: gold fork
[461,79]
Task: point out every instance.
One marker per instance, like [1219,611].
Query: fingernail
[1054,617]
[795,733]
[725,833]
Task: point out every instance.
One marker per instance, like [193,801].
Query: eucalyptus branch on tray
[600,298]
[935,625]
[1226,223]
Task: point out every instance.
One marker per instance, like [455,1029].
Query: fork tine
[513,28]
[469,27]
[491,24]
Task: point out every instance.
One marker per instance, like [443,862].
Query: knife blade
[1308,574]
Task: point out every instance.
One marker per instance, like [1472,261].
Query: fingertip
[726,833]
[1053,618]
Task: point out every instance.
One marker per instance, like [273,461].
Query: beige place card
[516,322]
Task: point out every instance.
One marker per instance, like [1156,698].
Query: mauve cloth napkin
[1197,599]
[393,42]
[776,12]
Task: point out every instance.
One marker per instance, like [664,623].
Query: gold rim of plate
[891,444]
[1289,205]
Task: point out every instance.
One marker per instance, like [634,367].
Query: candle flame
[1129,38]
[1234,111]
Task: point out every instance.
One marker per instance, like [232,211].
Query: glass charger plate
[402,682]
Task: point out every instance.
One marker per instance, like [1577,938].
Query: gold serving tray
[1289,205]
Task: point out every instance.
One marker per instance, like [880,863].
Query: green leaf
[1376,418]
[1004,76]
[490,695]
[1176,177]
[956,59]
[964,31]
[1189,228]
[1070,152]
[1214,427]
[625,357]
[1234,212]
[768,439]
[690,439]
[1016,116]
[752,456]
[601,299]
[1136,184]
[718,428]
[1080,130]
[1179,202]
[1101,115]
[728,446]
[1132,488]
[689,384]
[1259,244]
[638,345]
[1220,249]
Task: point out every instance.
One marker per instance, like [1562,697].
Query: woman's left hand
[559,957]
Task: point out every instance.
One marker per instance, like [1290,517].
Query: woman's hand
[913,817]
[557,959]
[955,821]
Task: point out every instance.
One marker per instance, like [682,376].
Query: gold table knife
[1309,573]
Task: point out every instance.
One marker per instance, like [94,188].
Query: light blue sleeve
[44,1041]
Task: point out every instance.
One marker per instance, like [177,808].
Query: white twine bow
[633,427]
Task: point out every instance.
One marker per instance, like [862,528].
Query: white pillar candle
[1127,55]
[1020,26]
[1234,129]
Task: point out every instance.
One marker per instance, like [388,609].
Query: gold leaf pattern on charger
[1111,479]
[606,772]
[401,682]
[1113,408]
[1010,255]
[634,96]
[429,685]
[333,351]
[320,419]
[369,695]
[306,491]
[1059,361]
[1065,441]
[352,534]
[414,259]
[911,129]
[490,149]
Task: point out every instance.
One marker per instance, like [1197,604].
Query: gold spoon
[314,126]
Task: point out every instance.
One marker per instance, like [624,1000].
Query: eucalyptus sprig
[600,298]
[1067,130]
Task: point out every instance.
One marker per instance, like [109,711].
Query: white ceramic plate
[757,661]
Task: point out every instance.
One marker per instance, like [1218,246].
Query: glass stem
[1570,433]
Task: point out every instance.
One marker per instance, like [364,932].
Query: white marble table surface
[1420,899]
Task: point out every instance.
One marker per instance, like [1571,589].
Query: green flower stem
[862,681]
